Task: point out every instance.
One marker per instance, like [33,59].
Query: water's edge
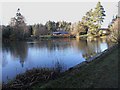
[96,57]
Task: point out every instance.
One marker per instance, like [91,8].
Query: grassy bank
[100,73]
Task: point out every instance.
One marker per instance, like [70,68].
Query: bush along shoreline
[31,77]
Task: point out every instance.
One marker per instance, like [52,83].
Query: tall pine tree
[94,18]
[99,14]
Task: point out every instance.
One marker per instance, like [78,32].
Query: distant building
[60,33]
[105,31]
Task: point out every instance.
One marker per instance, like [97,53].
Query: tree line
[19,30]
[89,25]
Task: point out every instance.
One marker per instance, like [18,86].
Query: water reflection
[91,48]
[54,53]
[0,66]
[17,50]
[51,45]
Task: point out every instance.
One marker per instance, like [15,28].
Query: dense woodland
[89,26]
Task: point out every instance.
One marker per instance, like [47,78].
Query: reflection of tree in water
[4,60]
[89,48]
[17,49]
[53,44]
[1,56]
[59,44]
[59,65]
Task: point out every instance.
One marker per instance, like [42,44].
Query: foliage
[17,30]
[50,26]
[39,29]
[99,14]
[7,30]
[31,77]
[57,26]
[115,30]
[63,25]
[81,28]
[94,18]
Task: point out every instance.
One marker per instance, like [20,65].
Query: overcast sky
[40,12]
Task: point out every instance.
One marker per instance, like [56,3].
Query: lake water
[17,57]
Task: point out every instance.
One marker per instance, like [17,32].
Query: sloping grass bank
[99,73]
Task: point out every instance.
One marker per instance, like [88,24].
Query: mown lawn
[101,73]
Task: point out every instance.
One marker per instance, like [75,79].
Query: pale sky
[40,12]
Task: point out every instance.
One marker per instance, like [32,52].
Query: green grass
[46,36]
[85,35]
[101,73]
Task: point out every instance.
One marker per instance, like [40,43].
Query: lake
[17,57]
